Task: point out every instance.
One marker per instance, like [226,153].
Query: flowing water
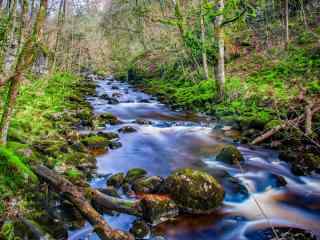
[177,139]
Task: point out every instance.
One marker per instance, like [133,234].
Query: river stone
[115,145]
[230,155]
[158,208]
[108,118]
[194,191]
[116,180]
[127,129]
[134,174]
[95,142]
[143,121]
[140,229]
[147,184]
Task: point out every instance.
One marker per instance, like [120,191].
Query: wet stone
[230,155]
[158,208]
[116,180]
[115,145]
[127,129]
[194,191]
[140,229]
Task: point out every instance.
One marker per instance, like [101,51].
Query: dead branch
[284,125]
[77,198]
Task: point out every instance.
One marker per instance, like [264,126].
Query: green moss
[230,154]
[134,174]
[95,141]
[194,191]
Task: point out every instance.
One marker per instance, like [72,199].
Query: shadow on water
[175,140]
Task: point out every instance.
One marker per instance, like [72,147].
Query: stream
[177,139]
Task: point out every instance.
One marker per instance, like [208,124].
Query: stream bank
[151,136]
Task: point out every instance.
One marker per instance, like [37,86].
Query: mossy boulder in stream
[134,174]
[230,155]
[116,180]
[95,142]
[194,191]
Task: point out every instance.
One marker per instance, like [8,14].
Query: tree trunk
[203,42]
[219,66]
[8,107]
[286,22]
[25,60]
[61,17]
[308,116]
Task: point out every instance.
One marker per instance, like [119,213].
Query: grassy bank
[43,127]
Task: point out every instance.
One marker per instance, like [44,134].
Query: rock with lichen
[194,191]
[230,155]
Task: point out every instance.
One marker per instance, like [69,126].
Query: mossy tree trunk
[203,42]
[24,61]
[219,66]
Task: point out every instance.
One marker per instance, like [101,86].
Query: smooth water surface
[175,140]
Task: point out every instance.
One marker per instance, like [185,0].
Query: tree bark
[74,195]
[219,66]
[203,42]
[286,22]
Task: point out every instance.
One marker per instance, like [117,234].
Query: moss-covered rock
[230,155]
[95,142]
[194,191]
[147,184]
[140,229]
[158,208]
[107,118]
[116,180]
[134,174]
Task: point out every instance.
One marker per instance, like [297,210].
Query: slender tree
[203,42]
[25,59]
[286,22]
[219,35]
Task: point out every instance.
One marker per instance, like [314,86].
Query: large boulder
[194,191]
[230,155]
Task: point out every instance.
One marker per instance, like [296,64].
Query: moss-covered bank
[49,112]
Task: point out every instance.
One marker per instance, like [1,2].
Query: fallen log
[77,198]
[284,125]
[35,229]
